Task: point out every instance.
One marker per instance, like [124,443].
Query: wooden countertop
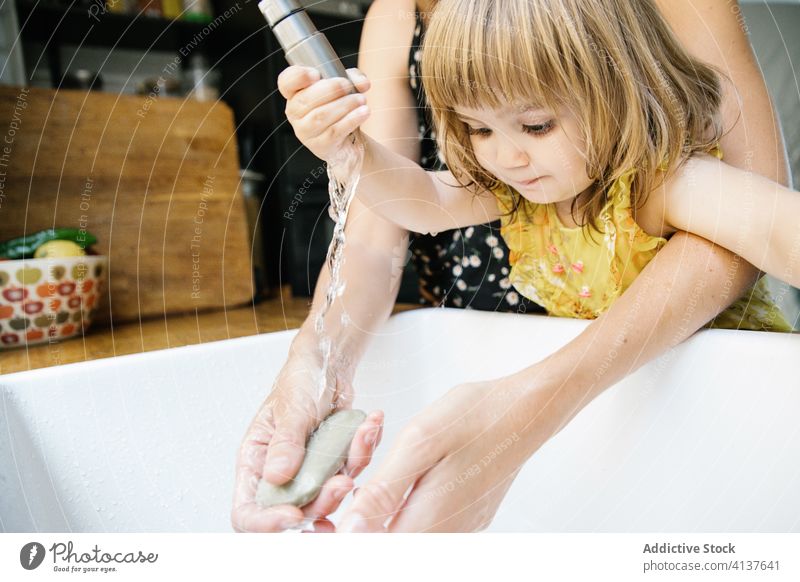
[278,314]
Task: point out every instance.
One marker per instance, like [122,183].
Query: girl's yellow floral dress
[572,273]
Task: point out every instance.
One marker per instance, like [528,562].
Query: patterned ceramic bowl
[45,300]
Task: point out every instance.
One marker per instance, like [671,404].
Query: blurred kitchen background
[221,49]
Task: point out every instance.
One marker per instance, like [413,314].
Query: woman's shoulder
[389,26]
[386,40]
[393,10]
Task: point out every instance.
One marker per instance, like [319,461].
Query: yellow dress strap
[618,217]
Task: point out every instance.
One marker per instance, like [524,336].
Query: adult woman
[280,428]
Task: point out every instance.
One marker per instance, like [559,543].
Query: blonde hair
[640,99]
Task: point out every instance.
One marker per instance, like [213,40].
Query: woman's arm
[383,58]
[687,283]
[713,31]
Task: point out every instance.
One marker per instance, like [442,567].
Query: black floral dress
[466,267]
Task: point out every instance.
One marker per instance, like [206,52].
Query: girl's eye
[539,128]
[479,131]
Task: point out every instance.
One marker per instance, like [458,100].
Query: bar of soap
[326,453]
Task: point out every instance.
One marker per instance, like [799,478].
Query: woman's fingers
[413,455]
[365,441]
[329,498]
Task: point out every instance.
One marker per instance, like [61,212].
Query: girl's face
[539,153]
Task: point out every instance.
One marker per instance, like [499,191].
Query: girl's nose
[510,154]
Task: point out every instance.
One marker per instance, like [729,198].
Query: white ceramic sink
[705,439]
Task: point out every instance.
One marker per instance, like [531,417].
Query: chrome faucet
[302,43]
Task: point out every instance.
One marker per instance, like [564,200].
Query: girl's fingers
[323,526]
[296,78]
[293,79]
[360,80]
[325,91]
[248,516]
[252,453]
[337,487]
[251,518]
[288,446]
[365,441]
[320,119]
[348,124]
[253,449]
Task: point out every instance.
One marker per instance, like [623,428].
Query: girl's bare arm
[748,214]
[376,247]
[419,200]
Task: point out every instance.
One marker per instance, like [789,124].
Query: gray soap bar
[326,453]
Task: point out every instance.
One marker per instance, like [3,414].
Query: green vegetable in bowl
[24,247]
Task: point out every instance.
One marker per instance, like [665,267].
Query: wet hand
[451,466]
[274,445]
[324,112]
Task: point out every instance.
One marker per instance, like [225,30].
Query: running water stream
[343,177]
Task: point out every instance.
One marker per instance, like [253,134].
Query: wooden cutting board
[156,179]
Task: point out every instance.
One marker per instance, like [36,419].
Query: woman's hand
[274,446]
[454,462]
[324,112]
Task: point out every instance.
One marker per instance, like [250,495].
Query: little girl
[583,126]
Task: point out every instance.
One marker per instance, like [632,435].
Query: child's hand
[324,112]
[274,446]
